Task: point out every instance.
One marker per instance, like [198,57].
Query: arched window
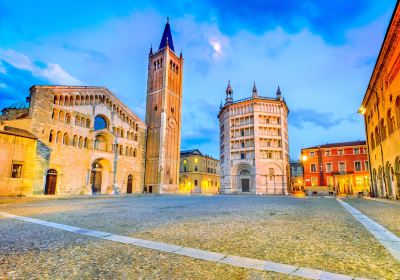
[100,123]
[88,123]
[80,142]
[86,143]
[59,137]
[121,150]
[51,136]
[75,141]
[383,129]
[100,143]
[65,139]
[61,116]
[83,122]
[134,152]
[136,137]
[68,118]
[377,136]
[244,172]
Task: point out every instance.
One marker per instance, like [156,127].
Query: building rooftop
[191,152]
[17,132]
[341,144]
[18,105]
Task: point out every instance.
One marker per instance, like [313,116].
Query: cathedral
[83,140]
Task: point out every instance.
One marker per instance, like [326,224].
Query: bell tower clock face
[172,123]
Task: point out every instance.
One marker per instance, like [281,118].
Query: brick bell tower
[163,116]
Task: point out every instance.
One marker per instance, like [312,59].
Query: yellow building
[381,110]
[17,154]
[198,173]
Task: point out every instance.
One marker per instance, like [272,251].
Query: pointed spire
[166,40]
[180,55]
[278,92]
[255,93]
[220,105]
[151,50]
[229,93]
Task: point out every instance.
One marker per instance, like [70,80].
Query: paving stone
[244,262]
[200,254]
[121,239]
[279,267]
[160,246]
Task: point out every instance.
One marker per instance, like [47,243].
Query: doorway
[129,186]
[245,185]
[96,177]
[51,182]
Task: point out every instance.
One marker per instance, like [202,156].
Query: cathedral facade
[254,144]
[88,141]
[83,140]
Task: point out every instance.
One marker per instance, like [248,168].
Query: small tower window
[155,108]
[172,110]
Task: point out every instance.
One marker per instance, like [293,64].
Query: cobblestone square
[314,233]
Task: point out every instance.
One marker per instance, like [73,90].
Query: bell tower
[163,116]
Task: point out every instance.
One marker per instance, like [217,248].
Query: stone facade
[88,141]
[254,144]
[199,174]
[17,168]
[340,168]
[381,110]
[163,117]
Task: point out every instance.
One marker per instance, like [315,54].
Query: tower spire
[278,93]
[229,93]
[255,93]
[166,39]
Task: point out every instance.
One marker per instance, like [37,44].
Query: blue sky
[321,54]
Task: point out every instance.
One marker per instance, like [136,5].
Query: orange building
[340,168]
[381,111]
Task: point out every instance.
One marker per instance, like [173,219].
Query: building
[17,154]
[381,110]
[199,174]
[86,142]
[163,116]
[296,176]
[339,168]
[254,144]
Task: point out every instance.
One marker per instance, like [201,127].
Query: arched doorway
[244,177]
[129,185]
[96,177]
[51,182]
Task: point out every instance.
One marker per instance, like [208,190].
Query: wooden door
[95,179]
[245,185]
[129,186]
[51,181]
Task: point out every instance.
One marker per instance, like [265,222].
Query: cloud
[91,55]
[303,117]
[52,72]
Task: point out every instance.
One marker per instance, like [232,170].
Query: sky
[321,54]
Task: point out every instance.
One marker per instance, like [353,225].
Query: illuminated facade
[199,174]
[88,141]
[17,166]
[340,168]
[163,116]
[381,110]
[254,144]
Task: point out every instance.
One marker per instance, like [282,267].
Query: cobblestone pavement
[315,232]
[384,213]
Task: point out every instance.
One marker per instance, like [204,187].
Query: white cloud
[56,74]
[3,85]
[52,72]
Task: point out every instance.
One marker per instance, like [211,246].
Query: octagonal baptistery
[88,141]
[254,144]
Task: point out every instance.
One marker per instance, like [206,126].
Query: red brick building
[337,168]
